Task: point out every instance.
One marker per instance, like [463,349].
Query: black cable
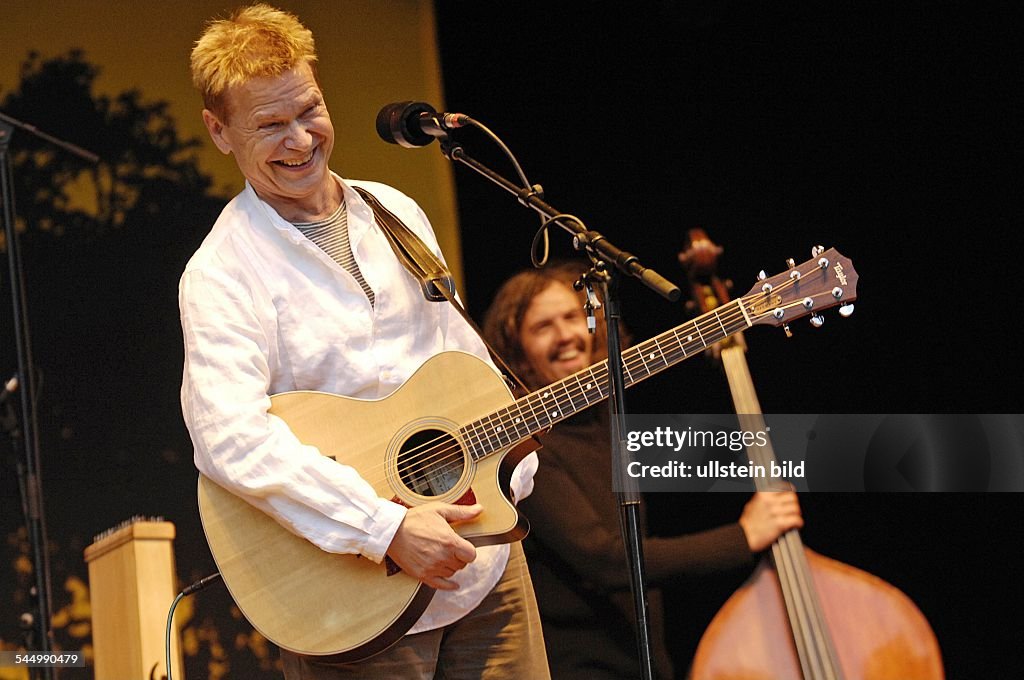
[530,189]
[198,585]
[543,231]
[501,145]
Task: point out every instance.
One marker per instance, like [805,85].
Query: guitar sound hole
[430,463]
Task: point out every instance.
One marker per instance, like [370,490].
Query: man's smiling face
[554,334]
[281,136]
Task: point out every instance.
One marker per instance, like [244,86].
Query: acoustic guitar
[442,437]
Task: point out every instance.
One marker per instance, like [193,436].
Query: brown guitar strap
[434,277]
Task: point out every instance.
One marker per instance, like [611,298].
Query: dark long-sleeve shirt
[578,562]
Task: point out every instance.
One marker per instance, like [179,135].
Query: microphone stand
[583,239]
[29,439]
[610,263]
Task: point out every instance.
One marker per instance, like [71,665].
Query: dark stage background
[884,131]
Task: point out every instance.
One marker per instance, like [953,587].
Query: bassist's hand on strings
[768,515]
[426,547]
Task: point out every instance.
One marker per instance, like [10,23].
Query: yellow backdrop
[372,52]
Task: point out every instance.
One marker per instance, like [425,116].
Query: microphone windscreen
[399,123]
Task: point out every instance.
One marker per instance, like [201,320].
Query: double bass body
[876,631]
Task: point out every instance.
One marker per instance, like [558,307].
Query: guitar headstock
[826,280]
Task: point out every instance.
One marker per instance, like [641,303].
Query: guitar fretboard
[540,410]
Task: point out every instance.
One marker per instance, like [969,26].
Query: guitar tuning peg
[790,262]
[817,320]
[846,310]
[785,327]
[761,276]
[817,250]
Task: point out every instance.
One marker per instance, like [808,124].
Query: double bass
[801,615]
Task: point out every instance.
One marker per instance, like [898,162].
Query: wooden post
[132,583]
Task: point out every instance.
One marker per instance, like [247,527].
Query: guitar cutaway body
[346,607]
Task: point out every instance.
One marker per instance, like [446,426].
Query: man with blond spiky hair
[297,288]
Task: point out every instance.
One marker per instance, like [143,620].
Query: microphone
[201,583]
[413,124]
[10,387]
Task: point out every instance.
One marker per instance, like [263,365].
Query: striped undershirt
[331,236]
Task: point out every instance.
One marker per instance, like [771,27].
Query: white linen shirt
[264,311]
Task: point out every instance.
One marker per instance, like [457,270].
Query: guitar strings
[430,453]
[446,452]
[528,409]
[599,371]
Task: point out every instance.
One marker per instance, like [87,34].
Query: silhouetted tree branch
[146,168]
